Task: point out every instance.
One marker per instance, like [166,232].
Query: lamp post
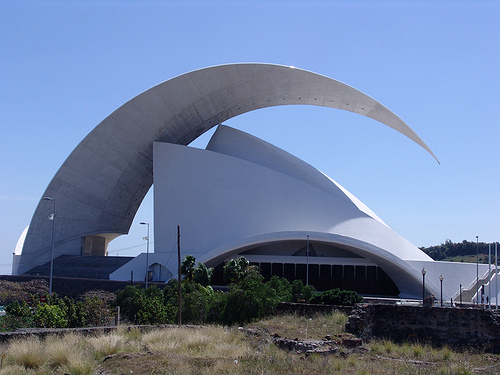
[441,278]
[307,257]
[477,270]
[489,276]
[147,255]
[53,218]
[423,284]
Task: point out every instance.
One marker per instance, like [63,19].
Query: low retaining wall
[88,331]
[71,287]
[456,327]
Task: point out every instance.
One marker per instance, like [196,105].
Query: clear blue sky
[66,65]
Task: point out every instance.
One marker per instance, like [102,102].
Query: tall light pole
[147,255]
[307,257]
[441,278]
[423,285]
[489,276]
[496,276]
[477,270]
[53,218]
[179,291]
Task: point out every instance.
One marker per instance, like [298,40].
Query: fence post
[117,316]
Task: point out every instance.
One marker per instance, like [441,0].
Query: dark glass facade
[368,280]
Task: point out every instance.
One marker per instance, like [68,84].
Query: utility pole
[179,320]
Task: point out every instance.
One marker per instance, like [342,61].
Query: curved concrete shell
[242,193]
[100,186]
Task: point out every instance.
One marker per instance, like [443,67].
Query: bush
[74,312]
[283,288]
[301,292]
[143,306]
[50,316]
[216,307]
[337,297]
[249,299]
[96,312]
[195,303]
[151,308]
[18,315]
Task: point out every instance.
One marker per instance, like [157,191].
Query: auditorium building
[241,196]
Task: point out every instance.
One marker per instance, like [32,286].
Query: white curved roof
[101,184]
[242,192]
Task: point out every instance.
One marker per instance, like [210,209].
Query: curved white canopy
[102,183]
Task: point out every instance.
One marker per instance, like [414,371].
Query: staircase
[468,294]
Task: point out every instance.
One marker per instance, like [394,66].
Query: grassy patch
[304,327]
[215,349]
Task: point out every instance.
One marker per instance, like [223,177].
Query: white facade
[239,194]
[242,193]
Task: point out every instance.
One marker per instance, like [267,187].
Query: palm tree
[187,267]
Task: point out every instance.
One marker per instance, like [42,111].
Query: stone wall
[456,327]
[71,287]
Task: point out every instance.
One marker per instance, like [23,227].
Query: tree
[187,267]
[202,274]
[237,269]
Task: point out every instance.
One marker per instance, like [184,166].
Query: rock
[351,342]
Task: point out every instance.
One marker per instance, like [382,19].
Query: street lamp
[477,270]
[53,218]
[147,254]
[441,278]
[423,284]
[307,257]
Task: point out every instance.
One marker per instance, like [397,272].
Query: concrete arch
[406,277]
[102,183]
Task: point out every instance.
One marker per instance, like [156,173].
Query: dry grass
[105,345]
[213,349]
[210,342]
[304,328]
[28,353]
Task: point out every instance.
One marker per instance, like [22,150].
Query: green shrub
[195,304]
[249,299]
[337,297]
[128,300]
[216,307]
[74,311]
[301,292]
[18,315]
[50,316]
[283,288]
[18,309]
[9,323]
[144,306]
[96,311]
